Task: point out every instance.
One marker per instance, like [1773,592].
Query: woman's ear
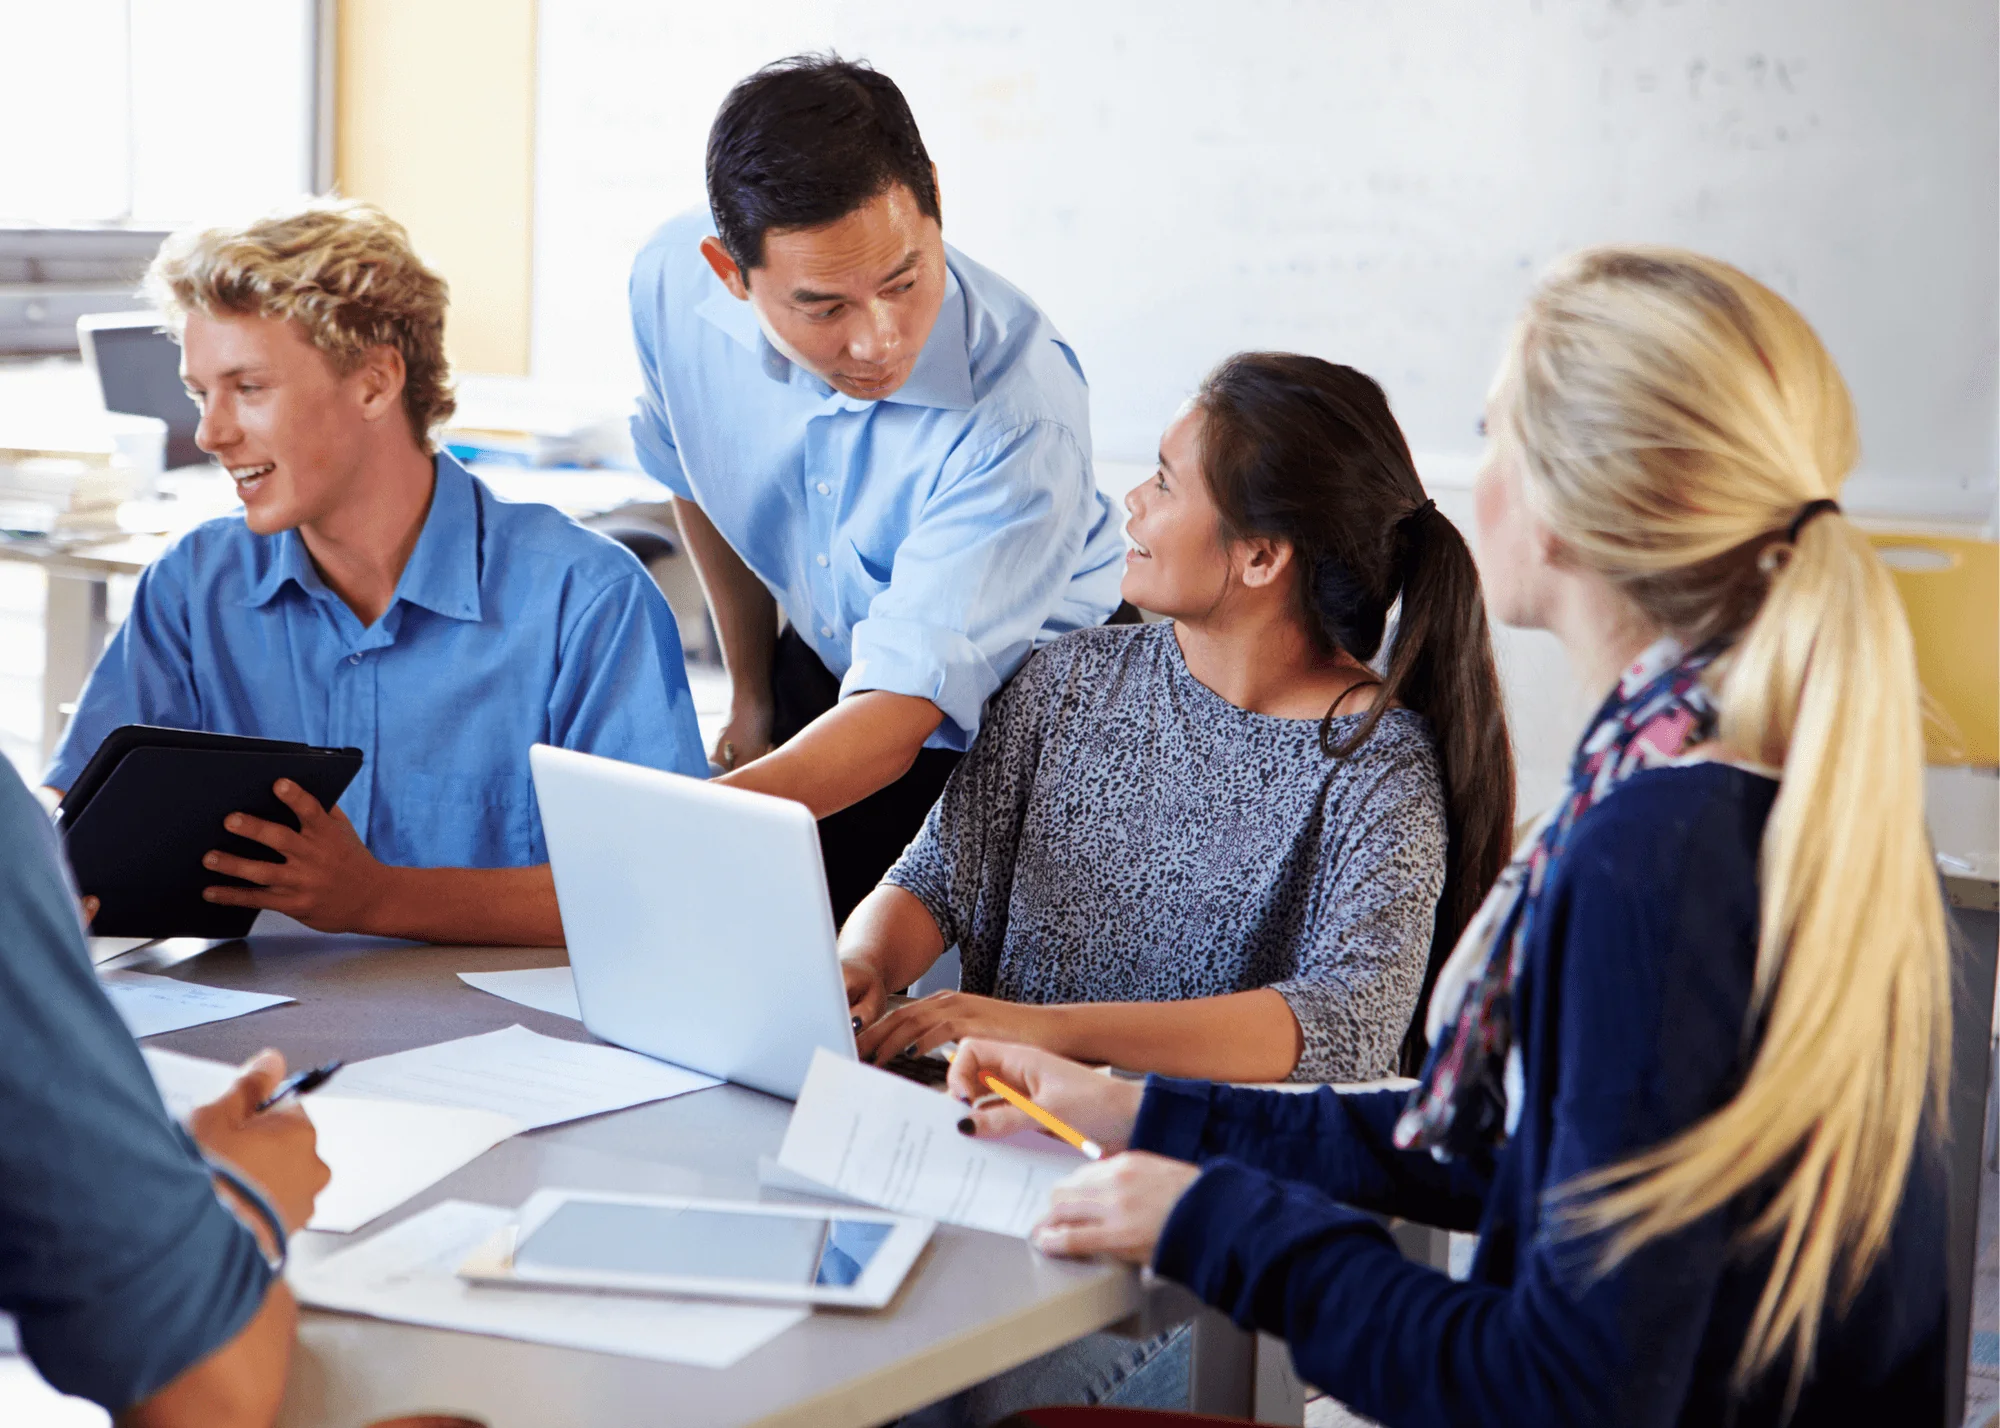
[1262,561]
[1550,550]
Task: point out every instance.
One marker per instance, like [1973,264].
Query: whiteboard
[1374,181]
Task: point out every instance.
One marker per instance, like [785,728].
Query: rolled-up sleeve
[118,1262]
[145,675]
[988,559]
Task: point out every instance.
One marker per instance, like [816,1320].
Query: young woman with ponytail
[1690,1055]
[1224,844]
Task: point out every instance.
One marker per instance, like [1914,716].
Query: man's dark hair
[806,141]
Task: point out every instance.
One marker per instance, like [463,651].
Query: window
[153,113]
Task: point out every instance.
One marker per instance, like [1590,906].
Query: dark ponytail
[1305,451]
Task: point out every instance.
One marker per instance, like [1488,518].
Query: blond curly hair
[343,270]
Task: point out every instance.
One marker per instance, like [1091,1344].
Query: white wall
[1375,181]
[1545,707]
[154,111]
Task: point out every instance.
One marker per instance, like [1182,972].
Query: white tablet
[722,1249]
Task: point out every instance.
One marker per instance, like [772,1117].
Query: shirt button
[354,659]
[826,631]
[824,489]
[822,561]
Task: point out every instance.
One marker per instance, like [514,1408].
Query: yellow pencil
[1052,1124]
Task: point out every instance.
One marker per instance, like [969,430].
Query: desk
[75,625]
[976,1304]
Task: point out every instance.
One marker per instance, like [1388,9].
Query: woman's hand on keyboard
[944,1017]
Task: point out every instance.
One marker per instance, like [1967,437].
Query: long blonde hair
[1671,416]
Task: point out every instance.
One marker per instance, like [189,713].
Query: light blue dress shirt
[511,626]
[925,543]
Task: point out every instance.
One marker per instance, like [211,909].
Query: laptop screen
[139,369]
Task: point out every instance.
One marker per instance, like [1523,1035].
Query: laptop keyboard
[924,1070]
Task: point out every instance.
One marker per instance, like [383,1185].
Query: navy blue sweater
[1630,1018]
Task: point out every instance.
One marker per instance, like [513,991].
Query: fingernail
[208,894]
[966,1127]
[232,823]
[210,861]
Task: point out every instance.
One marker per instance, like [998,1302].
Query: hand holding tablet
[152,802]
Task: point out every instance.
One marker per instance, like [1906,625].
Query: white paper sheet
[408,1274]
[380,1153]
[104,949]
[893,1143]
[549,989]
[151,1005]
[537,1080]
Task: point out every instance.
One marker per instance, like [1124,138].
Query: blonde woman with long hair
[1690,1057]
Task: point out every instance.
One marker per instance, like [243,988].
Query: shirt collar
[942,376]
[443,570]
[291,566]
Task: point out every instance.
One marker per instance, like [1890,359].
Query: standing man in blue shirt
[863,427]
[373,593]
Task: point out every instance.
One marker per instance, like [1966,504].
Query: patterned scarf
[1469,1098]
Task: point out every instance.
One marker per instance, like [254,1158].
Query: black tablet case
[137,839]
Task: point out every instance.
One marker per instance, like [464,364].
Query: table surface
[976,1303]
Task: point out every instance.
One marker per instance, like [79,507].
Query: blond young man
[374,593]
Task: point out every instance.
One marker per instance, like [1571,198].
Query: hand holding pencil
[1115,1206]
[1031,1089]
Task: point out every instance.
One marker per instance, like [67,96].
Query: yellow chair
[1951,589]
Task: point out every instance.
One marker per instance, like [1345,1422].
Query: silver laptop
[697,918]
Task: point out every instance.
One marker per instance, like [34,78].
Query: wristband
[255,1198]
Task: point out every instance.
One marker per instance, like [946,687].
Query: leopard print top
[1120,832]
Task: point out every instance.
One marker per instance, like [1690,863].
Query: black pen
[300,1082]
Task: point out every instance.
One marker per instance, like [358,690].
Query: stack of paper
[890,1142]
[45,492]
[408,1274]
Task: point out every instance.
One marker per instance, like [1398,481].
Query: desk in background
[76,623]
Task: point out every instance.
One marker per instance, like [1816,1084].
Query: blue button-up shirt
[511,626]
[924,543]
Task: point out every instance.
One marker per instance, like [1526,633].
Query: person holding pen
[868,431]
[1690,1058]
[139,1259]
